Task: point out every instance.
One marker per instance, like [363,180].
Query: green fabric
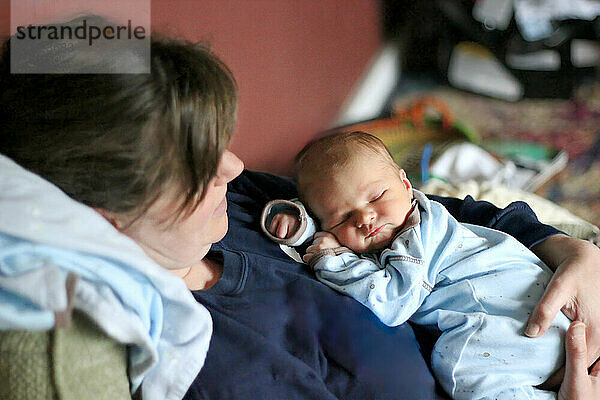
[25,366]
[71,363]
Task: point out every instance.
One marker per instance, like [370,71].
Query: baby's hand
[321,241]
[284,226]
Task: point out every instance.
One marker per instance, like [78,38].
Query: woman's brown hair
[117,141]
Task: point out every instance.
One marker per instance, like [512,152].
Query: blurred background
[513,81]
[295,61]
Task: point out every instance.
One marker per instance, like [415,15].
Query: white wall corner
[374,88]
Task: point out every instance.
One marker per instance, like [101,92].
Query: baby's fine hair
[329,153]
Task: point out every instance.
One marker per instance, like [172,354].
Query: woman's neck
[202,275]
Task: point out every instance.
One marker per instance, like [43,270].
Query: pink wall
[295,63]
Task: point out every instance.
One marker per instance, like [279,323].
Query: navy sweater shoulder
[281,334]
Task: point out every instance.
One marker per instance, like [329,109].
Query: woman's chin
[223,227]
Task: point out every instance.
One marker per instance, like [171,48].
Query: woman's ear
[111,217]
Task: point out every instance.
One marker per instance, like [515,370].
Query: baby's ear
[404,179]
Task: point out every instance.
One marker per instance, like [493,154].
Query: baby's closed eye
[378,196]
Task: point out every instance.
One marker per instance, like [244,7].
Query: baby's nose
[365,218]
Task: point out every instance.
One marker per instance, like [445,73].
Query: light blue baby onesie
[477,285]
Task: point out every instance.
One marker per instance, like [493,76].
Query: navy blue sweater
[281,334]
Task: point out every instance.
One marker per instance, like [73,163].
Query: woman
[148,153]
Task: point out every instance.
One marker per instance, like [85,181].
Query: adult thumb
[576,371]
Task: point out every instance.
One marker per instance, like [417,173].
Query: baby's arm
[393,290]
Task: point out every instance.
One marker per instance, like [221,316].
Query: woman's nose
[230,166]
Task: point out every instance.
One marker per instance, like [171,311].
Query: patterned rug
[572,125]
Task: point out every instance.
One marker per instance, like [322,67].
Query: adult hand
[321,241]
[578,384]
[574,289]
[284,226]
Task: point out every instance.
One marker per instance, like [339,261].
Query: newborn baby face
[363,204]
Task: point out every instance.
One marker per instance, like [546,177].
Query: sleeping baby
[406,258]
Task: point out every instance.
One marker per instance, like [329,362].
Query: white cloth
[45,235]
[466,161]
[534,17]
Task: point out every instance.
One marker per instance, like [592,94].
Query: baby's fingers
[313,248]
[306,258]
[274,225]
[284,226]
[293,225]
[279,227]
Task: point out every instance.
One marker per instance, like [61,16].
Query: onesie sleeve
[305,231]
[393,289]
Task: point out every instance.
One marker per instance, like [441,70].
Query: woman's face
[185,242]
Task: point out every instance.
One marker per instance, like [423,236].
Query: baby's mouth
[375,231]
